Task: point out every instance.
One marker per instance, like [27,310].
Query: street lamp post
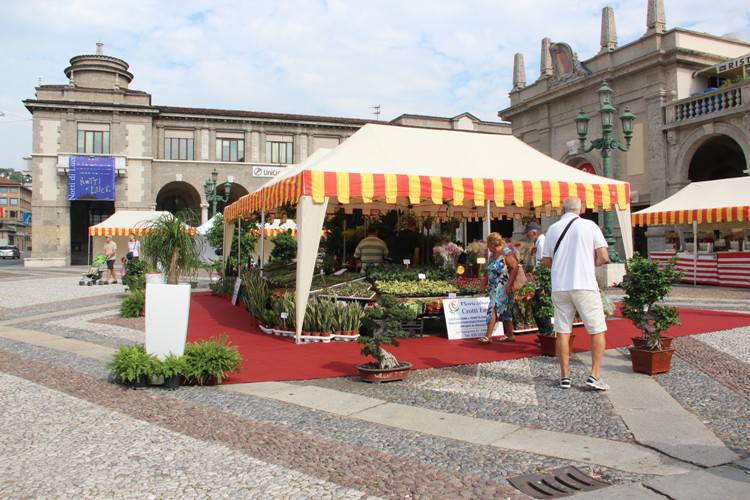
[212,196]
[606,144]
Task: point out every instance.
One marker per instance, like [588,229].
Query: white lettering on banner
[467,318]
[266,171]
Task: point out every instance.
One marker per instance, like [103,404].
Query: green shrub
[129,363]
[172,365]
[284,248]
[135,275]
[257,293]
[210,360]
[132,306]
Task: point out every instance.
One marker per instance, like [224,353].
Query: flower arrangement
[477,248]
[447,253]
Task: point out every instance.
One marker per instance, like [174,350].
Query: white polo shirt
[539,244]
[573,265]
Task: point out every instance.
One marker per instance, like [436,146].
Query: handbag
[521,279]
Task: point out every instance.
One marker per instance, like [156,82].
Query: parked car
[9,252]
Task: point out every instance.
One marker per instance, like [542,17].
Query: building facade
[15,214]
[162,155]
[693,117]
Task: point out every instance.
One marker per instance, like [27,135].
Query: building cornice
[44,105]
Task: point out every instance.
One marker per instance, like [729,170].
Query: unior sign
[260,171]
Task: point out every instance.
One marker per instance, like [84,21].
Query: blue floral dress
[497,278]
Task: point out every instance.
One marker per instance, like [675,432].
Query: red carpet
[268,357]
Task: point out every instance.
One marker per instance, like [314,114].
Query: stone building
[689,92]
[15,214]
[162,155]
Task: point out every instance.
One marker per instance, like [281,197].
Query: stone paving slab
[656,419]
[726,483]
[41,339]
[744,463]
[619,455]
[63,312]
[620,492]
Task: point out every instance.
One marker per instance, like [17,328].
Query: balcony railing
[708,105]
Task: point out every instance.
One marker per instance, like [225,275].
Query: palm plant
[170,246]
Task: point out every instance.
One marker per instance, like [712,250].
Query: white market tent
[443,173]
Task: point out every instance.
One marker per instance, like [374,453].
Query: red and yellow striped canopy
[702,215]
[126,231]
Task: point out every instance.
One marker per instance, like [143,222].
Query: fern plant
[132,306]
[210,360]
[131,363]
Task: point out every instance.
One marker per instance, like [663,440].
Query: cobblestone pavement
[83,437]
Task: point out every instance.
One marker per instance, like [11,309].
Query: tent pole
[262,239]
[487,222]
[88,251]
[239,242]
[695,253]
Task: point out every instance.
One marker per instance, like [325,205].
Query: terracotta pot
[547,344]
[640,342]
[651,362]
[369,373]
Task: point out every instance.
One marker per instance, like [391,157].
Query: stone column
[656,162]
[655,19]
[545,65]
[519,72]
[204,213]
[609,32]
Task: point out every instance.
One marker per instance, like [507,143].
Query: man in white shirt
[536,236]
[573,248]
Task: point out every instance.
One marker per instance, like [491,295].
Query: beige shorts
[588,303]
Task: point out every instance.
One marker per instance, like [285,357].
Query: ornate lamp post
[606,144]
[212,196]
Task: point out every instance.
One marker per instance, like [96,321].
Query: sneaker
[596,383]
[565,383]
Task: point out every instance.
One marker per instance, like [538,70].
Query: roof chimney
[519,72]
[655,21]
[99,49]
[545,67]
[609,31]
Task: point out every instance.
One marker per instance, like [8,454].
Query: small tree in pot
[645,286]
[170,245]
[382,325]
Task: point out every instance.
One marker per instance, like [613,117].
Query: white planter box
[167,312]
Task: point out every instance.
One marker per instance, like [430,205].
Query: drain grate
[556,483]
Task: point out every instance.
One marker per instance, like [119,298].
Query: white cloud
[328,57]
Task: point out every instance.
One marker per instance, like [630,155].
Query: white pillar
[310,218]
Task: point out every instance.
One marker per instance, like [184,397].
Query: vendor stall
[384,167]
[715,251]
[120,226]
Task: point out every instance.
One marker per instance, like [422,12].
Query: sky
[321,57]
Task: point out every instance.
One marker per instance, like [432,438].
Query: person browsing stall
[574,247]
[500,273]
[536,236]
[371,250]
[406,244]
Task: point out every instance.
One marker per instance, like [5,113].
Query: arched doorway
[236,192]
[719,157]
[180,198]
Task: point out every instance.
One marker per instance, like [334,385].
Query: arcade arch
[180,197]
[717,157]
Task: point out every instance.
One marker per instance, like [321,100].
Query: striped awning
[402,166]
[127,222]
[708,202]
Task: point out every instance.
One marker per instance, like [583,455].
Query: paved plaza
[457,432]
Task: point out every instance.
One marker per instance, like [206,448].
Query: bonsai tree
[168,245]
[646,285]
[383,326]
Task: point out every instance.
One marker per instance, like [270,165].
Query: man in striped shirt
[371,250]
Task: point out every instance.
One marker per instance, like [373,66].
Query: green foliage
[257,294]
[267,318]
[400,272]
[167,245]
[215,238]
[135,274]
[543,307]
[284,249]
[383,325]
[210,360]
[215,235]
[645,286]
[14,175]
[132,306]
[420,288]
[129,363]
[284,304]
[173,365]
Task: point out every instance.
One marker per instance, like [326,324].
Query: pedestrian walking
[134,248]
[502,268]
[573,248]
[110,252]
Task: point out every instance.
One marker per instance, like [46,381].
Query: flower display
[447,253]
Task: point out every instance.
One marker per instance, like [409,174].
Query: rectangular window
[279,152]
[230,149]
[177,148]
[14,189]
[3,201]
[93,142]
[14,201]
[3,189]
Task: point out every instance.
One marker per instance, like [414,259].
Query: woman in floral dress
[500,273]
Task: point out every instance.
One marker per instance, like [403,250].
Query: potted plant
[132,366]
[133,304]
[544,310]
[209,361]
[173,368]
[645,286]
[383,325]
[170,245]
[257,295]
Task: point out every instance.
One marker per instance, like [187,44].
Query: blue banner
[91,178]
[26,218]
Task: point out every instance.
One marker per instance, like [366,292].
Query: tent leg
[262,239]
[487,222]
[695,253]
[310,218]
[239,242]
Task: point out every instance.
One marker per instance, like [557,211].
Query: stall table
[720,268]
